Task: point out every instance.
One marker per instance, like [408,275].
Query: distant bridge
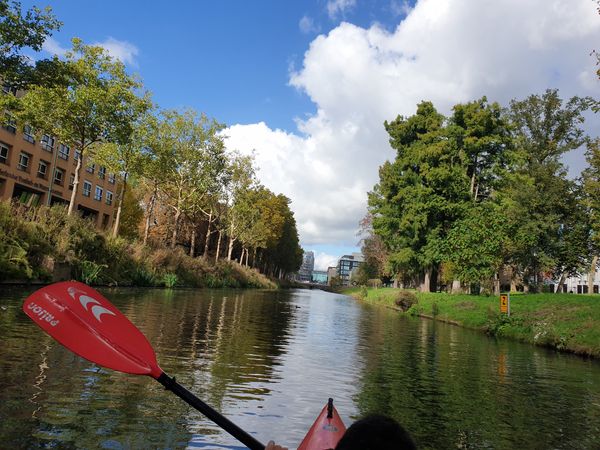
[323,287]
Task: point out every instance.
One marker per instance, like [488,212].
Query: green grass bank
[44,244]
[567,322]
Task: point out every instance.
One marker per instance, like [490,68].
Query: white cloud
[122,50]
[323,261]
[400,7]
[447,51]
[307,25]
[339,7]
[53,47]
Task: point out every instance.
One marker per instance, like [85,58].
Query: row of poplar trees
[484,194]
[192,192]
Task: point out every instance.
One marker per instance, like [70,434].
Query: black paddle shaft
[172,385]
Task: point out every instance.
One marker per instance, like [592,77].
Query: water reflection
[269,360]
[456,389]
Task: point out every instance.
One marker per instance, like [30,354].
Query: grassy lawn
[563,321]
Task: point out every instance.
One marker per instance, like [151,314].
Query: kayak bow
[326,431]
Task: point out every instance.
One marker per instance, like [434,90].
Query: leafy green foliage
[97,104]
[364,292]
[485,189]
[28,236]
[169,280]
[476,243]
[406,299]
[591,190]
[23,30]
[89,271]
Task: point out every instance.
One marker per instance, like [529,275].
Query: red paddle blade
[86,323]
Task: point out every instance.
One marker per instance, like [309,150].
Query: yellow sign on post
[505,304]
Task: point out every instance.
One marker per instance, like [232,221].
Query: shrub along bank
[566,322]
[37,243]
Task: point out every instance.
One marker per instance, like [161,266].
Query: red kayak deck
[326,431]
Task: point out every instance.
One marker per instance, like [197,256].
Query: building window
[24,161]
[59,176]
[63,151]
[47,143]
[71,182]
[28,134]
[101,172]
[111,178]
[76,156]
[87,188]
[10,124]
[3,153]
[91,168]
[109,197]
[98,194]
[42,169]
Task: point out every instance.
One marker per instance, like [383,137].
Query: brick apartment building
[37,172]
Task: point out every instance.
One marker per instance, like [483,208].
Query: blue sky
[307,85]
[230,59]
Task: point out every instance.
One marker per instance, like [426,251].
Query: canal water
[269,360]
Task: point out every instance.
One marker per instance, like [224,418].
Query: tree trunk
[472,189]
[513,280]
[560,283]
[193,241]
[426,283]
[75,184]
[456,287]
[176,221]
[115,231]
[218,246]
[231,241]
[149,215]
[207,240]
[175,225]
[496,283]
[592,275]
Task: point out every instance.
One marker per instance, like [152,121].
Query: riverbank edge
[224,275]
[567,323]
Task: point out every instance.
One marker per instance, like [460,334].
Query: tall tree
[419,195]
[374,251]
[286,253]
[482,138]
[481,135]
[155,162]
[126,156]
[20,31]
[196,157]
[591,188]
[97,105]
[237,196]
[544,128]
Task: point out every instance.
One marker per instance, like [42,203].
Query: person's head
[376,432]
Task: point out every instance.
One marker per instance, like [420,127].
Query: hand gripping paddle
[86,323]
